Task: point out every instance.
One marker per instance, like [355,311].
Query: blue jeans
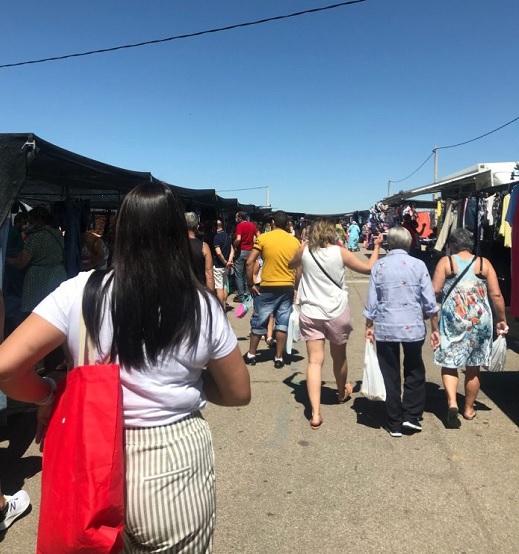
[239,272]
[266,303]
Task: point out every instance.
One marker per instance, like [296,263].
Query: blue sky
[324,108]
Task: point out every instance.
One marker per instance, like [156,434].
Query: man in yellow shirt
[275,293]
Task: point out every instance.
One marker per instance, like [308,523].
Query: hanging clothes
[505,230]
[512,217]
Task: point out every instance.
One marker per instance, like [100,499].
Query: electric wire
[480,136]
[455,145]
[188,35]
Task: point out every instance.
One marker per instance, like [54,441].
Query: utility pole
[389,188]
[435,150]
[268,197]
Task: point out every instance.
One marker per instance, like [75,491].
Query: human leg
[315,350]
[340,371]
[270,331]
[282,308]
[170,482]
[337,331]
[239,273]
[413,399]
[472,386]
[264,304]
[388,354]
[450,384]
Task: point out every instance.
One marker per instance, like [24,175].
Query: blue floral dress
[465,321]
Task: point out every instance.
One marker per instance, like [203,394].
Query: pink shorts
[335,330]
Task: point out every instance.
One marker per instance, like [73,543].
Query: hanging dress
[465,320]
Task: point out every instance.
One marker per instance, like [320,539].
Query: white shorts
[220,277]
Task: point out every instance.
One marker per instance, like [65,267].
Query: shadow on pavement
[299,390]
[502,388]
[14,469]
[369,413]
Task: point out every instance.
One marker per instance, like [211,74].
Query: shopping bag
[498,359]
[244,307]
[293,334]
[83,477]
[372,387]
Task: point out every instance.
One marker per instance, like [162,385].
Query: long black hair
[155,302]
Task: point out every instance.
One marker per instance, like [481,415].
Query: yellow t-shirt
[277,248]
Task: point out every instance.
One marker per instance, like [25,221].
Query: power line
[235,190]
[417,169]
[455,145]
[189,35]
[480,136]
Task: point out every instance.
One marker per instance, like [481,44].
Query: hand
[378,240]
[435,339]
[502,328]
[254,290]
[43,416]
[370,334]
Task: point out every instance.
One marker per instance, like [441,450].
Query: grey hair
[399,238]
[461,239]
[191,221]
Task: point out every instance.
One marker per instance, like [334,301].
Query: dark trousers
[412,403]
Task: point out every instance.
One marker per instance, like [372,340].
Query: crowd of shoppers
[163,320]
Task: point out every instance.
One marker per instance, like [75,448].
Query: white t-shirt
[318,297]
[160,394]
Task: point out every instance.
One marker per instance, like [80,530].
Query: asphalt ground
[348,487]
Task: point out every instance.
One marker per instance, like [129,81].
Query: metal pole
[268,197]
[435,150]
[389,188]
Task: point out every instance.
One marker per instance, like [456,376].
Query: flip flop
[453,421]
[315,426]
[470,418]
[348,391]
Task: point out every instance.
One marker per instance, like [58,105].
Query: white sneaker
[16,506]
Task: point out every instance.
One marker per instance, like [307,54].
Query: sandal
[315,426]
[348,391]
[453,421]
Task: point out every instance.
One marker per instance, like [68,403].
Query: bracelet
[47,401]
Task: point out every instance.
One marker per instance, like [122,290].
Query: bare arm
[28,344]
[208,264]
[226,381]
[435,333]
[494,293]
[352,262]
[21,261]
[237,241]
[295,262]
[439,275]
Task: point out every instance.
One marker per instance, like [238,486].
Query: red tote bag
[83,477]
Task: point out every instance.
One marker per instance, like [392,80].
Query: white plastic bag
[293,334]
[372,387]
[498,359]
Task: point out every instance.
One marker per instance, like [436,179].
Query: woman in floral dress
[466,320]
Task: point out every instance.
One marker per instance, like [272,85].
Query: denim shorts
[266,303]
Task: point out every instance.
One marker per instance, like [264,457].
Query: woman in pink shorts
[325,312]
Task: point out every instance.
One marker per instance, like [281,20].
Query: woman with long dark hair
[151,316]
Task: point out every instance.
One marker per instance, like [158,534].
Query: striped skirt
[170,504]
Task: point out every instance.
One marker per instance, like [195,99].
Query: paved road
[348,487]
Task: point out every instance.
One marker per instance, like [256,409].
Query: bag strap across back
[458,279]
[323,270]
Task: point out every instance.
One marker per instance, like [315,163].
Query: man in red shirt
[246,233]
